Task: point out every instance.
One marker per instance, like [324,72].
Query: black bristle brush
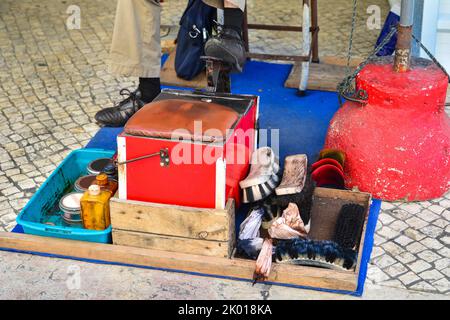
[349,225]
[325,254]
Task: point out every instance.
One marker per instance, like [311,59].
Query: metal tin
[98,165]
[71,207]
[83,183]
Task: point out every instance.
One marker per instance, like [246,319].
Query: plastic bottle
[106,183]
[95,208]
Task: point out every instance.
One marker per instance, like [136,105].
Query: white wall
[443,34]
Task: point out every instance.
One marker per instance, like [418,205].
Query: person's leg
[226,3]
[228,44]
[136,47]
[135,51]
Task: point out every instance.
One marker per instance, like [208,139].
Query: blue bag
[195,27]
[392,20]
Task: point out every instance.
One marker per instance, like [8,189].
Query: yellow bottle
[95,208]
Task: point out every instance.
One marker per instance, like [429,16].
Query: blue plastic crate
[46,199]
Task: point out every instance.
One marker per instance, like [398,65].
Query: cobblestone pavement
[54,80]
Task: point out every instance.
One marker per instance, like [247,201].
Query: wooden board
[169,76]
[205,224]
[209,232]
[341,61]
[324,77]
[170,243]
[235,268]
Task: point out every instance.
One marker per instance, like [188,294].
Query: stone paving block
[387,233]
[385,218]
[387,206]
[415,247]
[414,234]
[446,215]
[378,240]
[8,218]
[443,285]
[376,252]
[446,271]
[403,240]
[432,231]
[398,225]
[432,243]
[384,261]
[431,275]
[392,248]
[416,223]
[444,203]
[429,256]
[441,223]
[396,270]
[436,209]
[443,263]
[408,278]
[376,274]
[419,266]
[422,286]
[412,208]
[406,257]
[445,240]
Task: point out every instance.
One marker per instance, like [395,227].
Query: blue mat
[302,124]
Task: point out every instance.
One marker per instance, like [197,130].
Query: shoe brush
[349,225]
[324,254]
[263,177]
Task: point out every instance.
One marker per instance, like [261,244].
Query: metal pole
[403,48]
[407,13]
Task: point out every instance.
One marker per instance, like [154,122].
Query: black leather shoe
[228,46]
[118,115]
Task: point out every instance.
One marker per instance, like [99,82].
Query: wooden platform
[324,76]
[284,274]
[207,266]
[169,76]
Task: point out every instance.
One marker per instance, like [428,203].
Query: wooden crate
[330,201]
[209,232]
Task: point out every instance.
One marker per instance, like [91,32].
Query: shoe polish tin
[97,166]
[83,183]
[71,207]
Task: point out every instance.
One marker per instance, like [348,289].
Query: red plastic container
[206,175]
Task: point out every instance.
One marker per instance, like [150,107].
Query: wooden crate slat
[207,224]
[170,243]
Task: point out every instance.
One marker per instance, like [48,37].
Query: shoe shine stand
[217,75]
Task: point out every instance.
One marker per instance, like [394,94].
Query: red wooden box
[198,174]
